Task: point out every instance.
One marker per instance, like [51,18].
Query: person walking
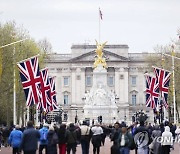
[85,137]
[142,139]
[155,146]
[97,132]
[43,138]
[29,143]
[14,139]
[52,141]
[71,139]
[125,141]
[1,138]
[167,140]
[62,136]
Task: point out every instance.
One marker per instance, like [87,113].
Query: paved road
[104,149]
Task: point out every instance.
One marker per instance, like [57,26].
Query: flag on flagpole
[100,14]
[30,78]
[163,80]
[152,92]
[52,98]
[44,90]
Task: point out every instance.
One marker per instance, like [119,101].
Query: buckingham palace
[74,76]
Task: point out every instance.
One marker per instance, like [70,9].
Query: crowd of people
[141,137]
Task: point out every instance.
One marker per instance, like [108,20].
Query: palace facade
[74,77]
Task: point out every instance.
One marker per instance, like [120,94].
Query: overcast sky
[141,24]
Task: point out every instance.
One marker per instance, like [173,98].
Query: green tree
[160,60]
[9,56]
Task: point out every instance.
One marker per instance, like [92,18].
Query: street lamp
[14,86]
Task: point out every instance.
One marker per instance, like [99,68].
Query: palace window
[110,81]
[88,81]
[66,81]
[133,100]
[65,99]
[133,80]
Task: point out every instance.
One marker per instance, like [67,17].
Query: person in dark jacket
[125,141]
[0,138]
[62,139]
[155,145]
[30,139]
[15,139]
[52,141]
[71,139]
[115,133]
[142,132]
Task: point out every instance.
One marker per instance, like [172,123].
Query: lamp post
[173,79]
[174,98]
[14,85]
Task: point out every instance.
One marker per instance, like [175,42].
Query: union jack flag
[30,78]
[152,92]
[52,97]
[163,80]
[44,90]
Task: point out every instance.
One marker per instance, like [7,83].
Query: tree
[45,46]
[9,33]
[160,60]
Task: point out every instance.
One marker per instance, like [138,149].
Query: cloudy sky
[141,24]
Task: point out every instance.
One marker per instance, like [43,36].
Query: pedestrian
[71,139]
[5,134]
[85,137]
[167,140]
[142,139]
[114,137]
[62,137]
[30,139]
[43,139]
[155,146]
[97,132]
[125,141]
[1,138]
[52,141]
[15,139]
[115,132]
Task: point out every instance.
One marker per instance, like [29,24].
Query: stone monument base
[108,113]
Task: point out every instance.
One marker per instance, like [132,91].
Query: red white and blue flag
[100,14]
[30,78]
[52,98]
[44,90]
[152,92]
[163,80]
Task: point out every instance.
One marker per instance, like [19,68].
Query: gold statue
[99,54]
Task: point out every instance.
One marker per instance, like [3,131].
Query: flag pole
[173,82]
[163,109]
[14,92]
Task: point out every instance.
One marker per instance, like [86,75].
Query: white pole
[14,92]
[14,75]
[12,43]
[174,99]
[27,113]
[36,115]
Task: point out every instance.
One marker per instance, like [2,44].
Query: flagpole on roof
[173,82]
[100,18]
